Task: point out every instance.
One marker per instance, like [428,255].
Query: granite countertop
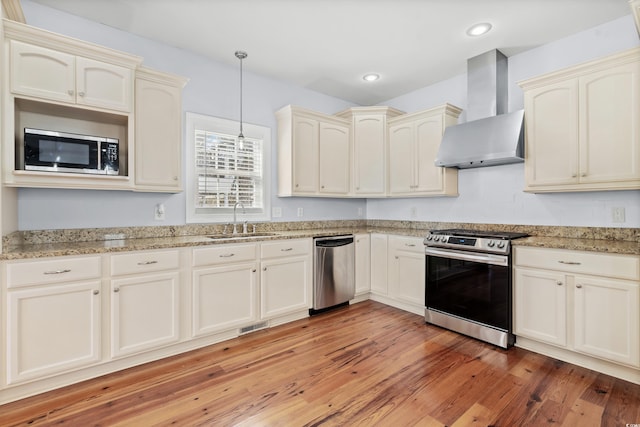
[50,244]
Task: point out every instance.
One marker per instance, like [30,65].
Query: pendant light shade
[241,55]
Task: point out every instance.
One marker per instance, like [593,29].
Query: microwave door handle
[464,256]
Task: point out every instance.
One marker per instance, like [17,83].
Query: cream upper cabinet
[582,128]
[414,140]
[635,9]
[158,142]
[313,153]
[49,74]
[369,147]
[586,302]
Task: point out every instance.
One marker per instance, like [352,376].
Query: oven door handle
[466,256]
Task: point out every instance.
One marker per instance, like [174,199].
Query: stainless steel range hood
[490,136]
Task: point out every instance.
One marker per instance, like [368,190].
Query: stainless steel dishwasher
[334,272]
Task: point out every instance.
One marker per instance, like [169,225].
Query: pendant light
[241,55]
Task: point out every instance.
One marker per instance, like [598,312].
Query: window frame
[195,121]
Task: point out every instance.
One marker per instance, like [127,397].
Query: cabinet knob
[297,185]
[559,283]
[70,92]
[96,292]
[397,257]
[579,286]
[573,175]
[253,271]
[264,269]
[583,174]
[80,93]
[322,186]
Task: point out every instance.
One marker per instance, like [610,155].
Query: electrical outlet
[617,214]
[276,212]
[300,211]
[159,214]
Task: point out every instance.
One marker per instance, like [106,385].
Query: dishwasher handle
[333,242]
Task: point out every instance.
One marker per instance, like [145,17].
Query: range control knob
[491,243]
[436,238]
[429,237]
[501,245]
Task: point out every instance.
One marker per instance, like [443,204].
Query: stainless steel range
[469,283]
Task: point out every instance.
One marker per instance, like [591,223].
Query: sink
[240,236]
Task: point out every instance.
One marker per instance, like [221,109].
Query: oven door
[468,285]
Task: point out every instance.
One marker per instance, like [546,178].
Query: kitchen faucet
[235,224]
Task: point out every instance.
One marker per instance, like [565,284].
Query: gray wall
[491,195]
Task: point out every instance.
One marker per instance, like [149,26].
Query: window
[223,173]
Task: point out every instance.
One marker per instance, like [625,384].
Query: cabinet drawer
[286,248]
[54,270]
[144,262]
[593,263]
[224,254]
[406,243]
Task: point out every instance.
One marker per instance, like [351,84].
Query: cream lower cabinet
[285,278]
[158,144]
[363,263]
[582,130]
[406,274]
[582,301]
[53,315]
[379,256]
[414,140]
[224,288]
[145,301]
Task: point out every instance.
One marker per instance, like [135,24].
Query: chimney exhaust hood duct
[490,136]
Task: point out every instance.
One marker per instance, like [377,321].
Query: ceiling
[328,45]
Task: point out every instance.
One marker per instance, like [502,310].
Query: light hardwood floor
[363,365]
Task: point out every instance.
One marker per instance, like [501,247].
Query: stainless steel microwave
[53,151]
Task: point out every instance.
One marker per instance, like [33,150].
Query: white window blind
[228,172]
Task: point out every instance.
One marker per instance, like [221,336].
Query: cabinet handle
[264,268]
[559,283]
[116,289]
[80,93]
[58,271]
[573,175]
[147,262]
[226,255]
[286,250]
[579,286]
[583,174]
[254,270]
[70,92]
[175,178]
[410,245]
[96,292]
[570,262]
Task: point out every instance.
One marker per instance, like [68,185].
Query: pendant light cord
[241,55]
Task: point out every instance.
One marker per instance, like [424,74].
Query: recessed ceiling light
[478,29]
[371,77]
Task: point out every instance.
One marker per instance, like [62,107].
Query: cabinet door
[401,158]
[41,72]
[407,277]
[285,286]
[305,155]
[428,133]
[52,329]
[607,319]
[609,125]
[379,264]
[144,313]
[540,305]
[334,158]
[158,137]
[552,134]
[369,155]
[363,263]
[103,85]
[224,298]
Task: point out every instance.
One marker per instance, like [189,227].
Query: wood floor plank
[363,365]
